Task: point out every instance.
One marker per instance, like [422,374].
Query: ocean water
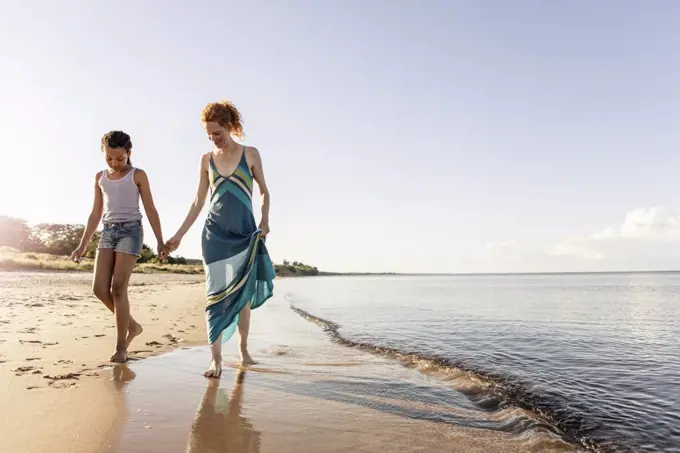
[596,357]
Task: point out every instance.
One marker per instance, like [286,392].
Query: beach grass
[13,260]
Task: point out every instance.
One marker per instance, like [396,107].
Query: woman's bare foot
[246,359]
[214,371]
[133,331]
[120,356]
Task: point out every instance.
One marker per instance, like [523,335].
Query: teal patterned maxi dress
[237,266]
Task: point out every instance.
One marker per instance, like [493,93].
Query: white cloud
[643,241]
[652,223]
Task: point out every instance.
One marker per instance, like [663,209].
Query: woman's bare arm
[258,176]
[196,206]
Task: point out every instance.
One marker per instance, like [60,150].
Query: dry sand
[59,394]
[55,340]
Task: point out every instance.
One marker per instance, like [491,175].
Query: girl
[239,272]
[116,196]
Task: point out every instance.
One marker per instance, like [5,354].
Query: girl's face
[217,134]
[116,158]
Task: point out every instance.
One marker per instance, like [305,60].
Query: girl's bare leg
[101,286]
[122,270]
[215,369]
[243,329]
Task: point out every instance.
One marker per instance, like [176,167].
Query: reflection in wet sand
[219,425]
[122,375]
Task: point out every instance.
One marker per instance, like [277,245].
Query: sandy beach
[55,339]
[306,394]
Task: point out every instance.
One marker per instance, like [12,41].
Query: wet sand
[306,394]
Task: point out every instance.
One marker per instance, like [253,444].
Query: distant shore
[15,261]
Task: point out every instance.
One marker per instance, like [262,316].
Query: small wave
[529,415]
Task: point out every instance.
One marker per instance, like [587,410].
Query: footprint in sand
[154,343]
[99,335]
[62,377]
[30,341]
[27,330]
[172,339]
[22,370]
[31,359]
[61,385]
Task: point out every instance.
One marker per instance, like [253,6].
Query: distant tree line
[297,268]
[58,239]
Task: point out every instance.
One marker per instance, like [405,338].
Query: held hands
[162,251]
[173,244]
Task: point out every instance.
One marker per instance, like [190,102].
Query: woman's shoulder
[205,160]
[252,153]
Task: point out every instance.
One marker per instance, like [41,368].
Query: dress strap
[243,162]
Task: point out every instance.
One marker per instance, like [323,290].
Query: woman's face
[217,134]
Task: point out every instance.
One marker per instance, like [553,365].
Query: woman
[239,273]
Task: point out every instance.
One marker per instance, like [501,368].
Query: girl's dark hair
[117,139]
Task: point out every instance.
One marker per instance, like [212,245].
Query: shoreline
[305,394]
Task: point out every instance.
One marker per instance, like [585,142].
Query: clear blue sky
[439,136]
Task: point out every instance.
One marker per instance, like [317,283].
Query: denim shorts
[123,237]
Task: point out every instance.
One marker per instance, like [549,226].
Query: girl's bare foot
[133,331]
[120,356]
[214,371]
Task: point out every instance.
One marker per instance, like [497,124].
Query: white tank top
[121,198]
